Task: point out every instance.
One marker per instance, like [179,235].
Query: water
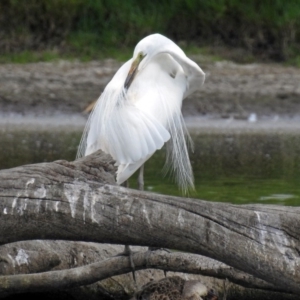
[236,164]
[240,168]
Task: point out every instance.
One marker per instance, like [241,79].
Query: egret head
[143,53]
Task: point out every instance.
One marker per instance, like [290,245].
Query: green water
[241,167]
[238,168]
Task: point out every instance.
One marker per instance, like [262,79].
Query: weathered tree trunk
[78,201]
[38,256]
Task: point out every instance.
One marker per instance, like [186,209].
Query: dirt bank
[229,90]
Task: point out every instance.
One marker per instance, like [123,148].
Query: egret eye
[141,55]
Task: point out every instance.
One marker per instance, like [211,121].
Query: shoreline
[230,89]
[235,97]
[195,124]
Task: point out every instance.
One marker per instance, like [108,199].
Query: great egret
[140,110]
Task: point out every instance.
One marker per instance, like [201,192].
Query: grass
[84,51]
[86,47]
[30,57]
[94,29]
[294,61]
[80,52]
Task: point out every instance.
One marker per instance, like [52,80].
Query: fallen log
[78,201]
[64,277]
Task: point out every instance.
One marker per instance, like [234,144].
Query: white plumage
[140,110]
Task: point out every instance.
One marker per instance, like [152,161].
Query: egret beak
[133,70]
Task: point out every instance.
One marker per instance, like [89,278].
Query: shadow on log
[79,201]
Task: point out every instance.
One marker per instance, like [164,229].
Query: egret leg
[141,188]
[141,178]
[128,252]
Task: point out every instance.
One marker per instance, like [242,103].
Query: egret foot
[128,252]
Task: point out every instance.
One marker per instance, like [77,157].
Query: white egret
[140,110]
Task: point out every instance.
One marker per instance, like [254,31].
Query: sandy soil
[230,90]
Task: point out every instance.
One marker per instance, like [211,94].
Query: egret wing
[159,90]
[119,128]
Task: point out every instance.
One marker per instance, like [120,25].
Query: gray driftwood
[36,266]
[78,201]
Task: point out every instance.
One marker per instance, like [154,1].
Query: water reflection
[240,167]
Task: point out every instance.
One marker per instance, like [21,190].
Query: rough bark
[17,278]
[68,201]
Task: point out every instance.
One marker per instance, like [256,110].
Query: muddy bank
[230,90]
